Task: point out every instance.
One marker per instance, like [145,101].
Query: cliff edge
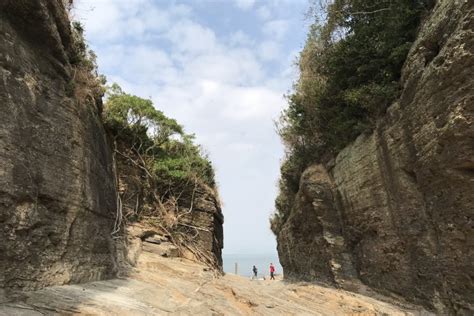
[56,184]
[60,184]
[394,209]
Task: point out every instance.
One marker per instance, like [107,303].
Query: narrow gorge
[107,207]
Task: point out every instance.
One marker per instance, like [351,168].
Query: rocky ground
[175,286]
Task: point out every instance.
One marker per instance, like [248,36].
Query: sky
[221,69]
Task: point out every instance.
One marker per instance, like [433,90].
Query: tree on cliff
[168,153]
[162,175]
[349,74]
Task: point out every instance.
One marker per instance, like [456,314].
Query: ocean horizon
[245,262]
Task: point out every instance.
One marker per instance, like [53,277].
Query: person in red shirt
[272,272]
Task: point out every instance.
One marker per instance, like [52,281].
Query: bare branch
[369,12]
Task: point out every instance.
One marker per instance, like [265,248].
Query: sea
[245,262]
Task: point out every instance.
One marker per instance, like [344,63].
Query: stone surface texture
[202,221]
[207,221]
[177,286]
[57,194]
[58,190]
[395,209]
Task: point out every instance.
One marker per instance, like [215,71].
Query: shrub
[349,73]
[86,85]
[168,154]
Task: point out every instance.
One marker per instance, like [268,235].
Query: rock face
[311,244]
[395,209]
[58,189]
[200,223]
[57,193]
[207,220]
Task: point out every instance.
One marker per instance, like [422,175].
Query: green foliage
[350,68]
[182,161]
[169,154]
[132,114]
[80,53]
[86,84]
[349,73]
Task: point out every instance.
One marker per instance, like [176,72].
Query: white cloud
[251,103]
[190,37]
[98,18]
[277,29]
[225,86]
[264,12]
[269,50]
[112,20]
[244,4]
[239,38]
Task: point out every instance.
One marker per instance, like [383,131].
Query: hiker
[255,270]
[272,272]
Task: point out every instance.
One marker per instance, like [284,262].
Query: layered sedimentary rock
[59,218]
[311,244]
[206,222]
[57,194]
[194,217]
[395,208]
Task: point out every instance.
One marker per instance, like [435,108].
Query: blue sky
[221,68]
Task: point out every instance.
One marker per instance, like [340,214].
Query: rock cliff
[56,183]
[58,188]
[395,208]
[194,220]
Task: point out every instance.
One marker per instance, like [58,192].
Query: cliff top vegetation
[350,69]
[157,143]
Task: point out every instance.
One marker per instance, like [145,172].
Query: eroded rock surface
[176,286]
[207,220]
[197,215]
[58,188]
[314,229]
[395,209]
[57,194]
